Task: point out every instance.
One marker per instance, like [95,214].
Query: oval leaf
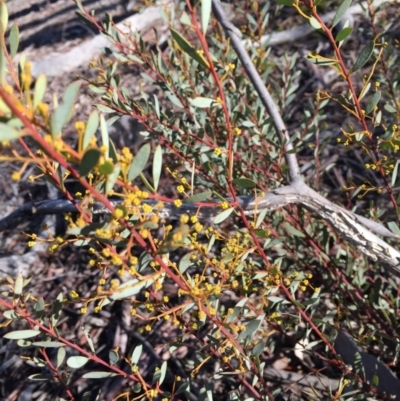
[21,334]
[157,166]
[48,344]
[205,15]
[89,161]
[77,362]
[373,102]
[199,197]
[98,375]
[14,40]
[219,218]
[202,102]
[7,133]
[244,183]
[341,11]
[40,90]
[91,128]
[343,34]
[139,162]
[364,56]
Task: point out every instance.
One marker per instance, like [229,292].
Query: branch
[280,128]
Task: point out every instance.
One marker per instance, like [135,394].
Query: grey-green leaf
[14,40]
[63,113]
[341,11]
[139,162]
[91,128]
[40,90]
[21,334]
[77,362]
[7,133]
[205,14]
[157,166]
[343,34]
[373,102]
[48,344]
[201,197]
[89,160]
[364,56]
[98,375]
[137,352]
[219,218]
[202,102]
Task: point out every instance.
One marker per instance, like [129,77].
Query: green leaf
[258,348]
[21,334]
[184,388]
[57,308]
[244,183]
[373,102]
[11,314]
[277,300]
[113,357]
[314,23]
[159,375]
[48,344]
[156,106]
[131,287]
[394,227]
[61,353]
[364,56]
[14,40]
[3,17]
[88,339]
[188,48]
[62,114]
[205,14]
[341,11]
[112,178]
[104,108]
[106,168]
[98,375]
[394,172]
[76,362]
[139,162]
[343,34]
[186,262]
[7,133]
[19,285]
[89,160]
[40,90]
[219,218]
[293,230]
[113,152]
[389,108]
[157,166]
[203,196]
[91,128]
[251,327]
[236,310]
[40,377]
[202,102]
[174,99]
[136,354]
